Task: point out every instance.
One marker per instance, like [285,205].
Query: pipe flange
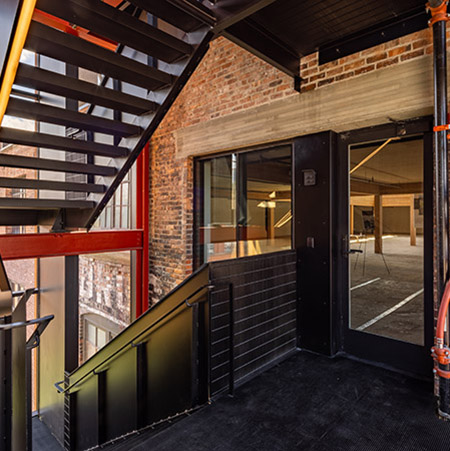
[438,14]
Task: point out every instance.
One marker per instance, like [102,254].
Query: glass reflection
[386,231]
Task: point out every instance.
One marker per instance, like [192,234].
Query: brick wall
[105,287]
[229,80]
[105,290]
[391,53]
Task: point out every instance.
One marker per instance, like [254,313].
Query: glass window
[97,335]
[252,190]
[265,211]
[216,235]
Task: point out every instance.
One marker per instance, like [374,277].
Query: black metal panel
[120,414]
[253,316]
[118,26]
[169,356]
[85,415]
[9,12]
[54,83]
[45,113]
[73,50]
[313,240]
[26,138]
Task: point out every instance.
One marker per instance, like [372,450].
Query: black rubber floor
[43,440]
[311,403]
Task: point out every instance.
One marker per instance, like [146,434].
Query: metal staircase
[141,52]
[158,45]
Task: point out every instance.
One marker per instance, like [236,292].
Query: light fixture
[267,204]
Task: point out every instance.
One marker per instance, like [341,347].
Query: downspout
[441,352]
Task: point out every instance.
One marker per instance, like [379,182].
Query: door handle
[354,251]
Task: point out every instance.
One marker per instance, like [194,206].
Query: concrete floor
[310,403]
[388,289]
[43,440]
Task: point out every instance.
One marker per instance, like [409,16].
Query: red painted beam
[16,247]
[142,218]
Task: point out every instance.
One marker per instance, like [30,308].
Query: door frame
[403,356]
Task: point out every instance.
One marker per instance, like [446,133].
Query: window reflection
[252,190]
[217,232]
[265,207]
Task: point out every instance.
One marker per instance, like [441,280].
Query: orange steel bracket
[438,14]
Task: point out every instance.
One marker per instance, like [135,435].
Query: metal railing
[160,361]
[137,337]
[16,406]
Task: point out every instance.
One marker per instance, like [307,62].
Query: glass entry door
[385,316]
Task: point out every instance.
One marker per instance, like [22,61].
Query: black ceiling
[334,27]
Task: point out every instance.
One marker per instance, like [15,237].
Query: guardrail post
[5,392]
[70,417]
[231,332]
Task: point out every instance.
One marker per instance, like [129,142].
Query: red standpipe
[440,352]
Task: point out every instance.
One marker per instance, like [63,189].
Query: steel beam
[6,182]
[34,139]
[104,20]
[51,82]
[73,50]
[230,12]
[261,43]
[16,161]
[43,204]
[170,13]
[45,113]
[17,247]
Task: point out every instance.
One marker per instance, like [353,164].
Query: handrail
[26,323]
[35,338]
[185,302]
[28,292]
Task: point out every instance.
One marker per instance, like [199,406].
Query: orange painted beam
[62,25]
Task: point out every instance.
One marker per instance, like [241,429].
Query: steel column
[439,24]
[142,219]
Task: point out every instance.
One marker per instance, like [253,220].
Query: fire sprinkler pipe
[438,21]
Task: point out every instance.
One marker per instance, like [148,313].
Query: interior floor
[387,289]
[310,403]
[43,440]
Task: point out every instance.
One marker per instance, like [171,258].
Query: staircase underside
[108,72]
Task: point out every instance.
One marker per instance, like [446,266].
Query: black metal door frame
[407,357]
